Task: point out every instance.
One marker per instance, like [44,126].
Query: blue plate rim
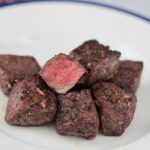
[99,4]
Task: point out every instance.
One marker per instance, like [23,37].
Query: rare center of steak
[62,73]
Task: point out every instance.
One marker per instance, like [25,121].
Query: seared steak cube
[99,60]
[13,68]
[77,115]
[30,103]
[128,76]
[116,108]
[62,73]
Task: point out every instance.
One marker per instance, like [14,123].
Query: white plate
[45,29]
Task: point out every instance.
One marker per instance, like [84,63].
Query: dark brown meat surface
[77,115]
[30,103]
[99,60]
[14,68]
[116,108]
[128,75]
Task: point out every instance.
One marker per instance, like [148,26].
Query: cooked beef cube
[99,60]
[77,114]
[30,103]
[128,76]
[14,68]
[62,72]
[116,108]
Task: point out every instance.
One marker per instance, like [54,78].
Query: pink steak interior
[62,73]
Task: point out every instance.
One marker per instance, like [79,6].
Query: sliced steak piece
[62,72]
[116,108]
[99,60]
[13,68]
[77,115]
[30,103]
[128,76]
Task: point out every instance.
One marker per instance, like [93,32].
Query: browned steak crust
[116,108]
[77,115]
[30,103]
[99,60]
[128,76]
[13,68]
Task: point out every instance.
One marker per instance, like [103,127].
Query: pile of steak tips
[89,90]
